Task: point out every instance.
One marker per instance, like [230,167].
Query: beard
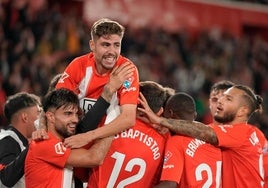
[64,132]
[226,118]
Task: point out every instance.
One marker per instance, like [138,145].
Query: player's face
[213,100]
[106,51]
[228,106]
[66,119]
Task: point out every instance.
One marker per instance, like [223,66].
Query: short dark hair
[221,85]
[18,102]
[182,105]
[106,26]
[58,98]
[53,82]
[154,93]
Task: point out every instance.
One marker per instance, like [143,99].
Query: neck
[101,70]
[55,133]
[22,130]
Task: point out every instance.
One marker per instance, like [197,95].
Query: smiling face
[106,51]
[63,121]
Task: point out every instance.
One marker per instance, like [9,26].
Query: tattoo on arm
[191,128]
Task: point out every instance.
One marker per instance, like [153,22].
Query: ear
[50,116]
[195,115]
[91,45]
[24,116]
[242,111]
[160,112]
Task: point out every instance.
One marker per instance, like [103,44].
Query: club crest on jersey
[60,148]
[167,156]
[127,83]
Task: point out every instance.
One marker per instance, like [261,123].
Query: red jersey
[264,145]
[134,159]
[242,155]
[45,165]
[191,163]
[81,77]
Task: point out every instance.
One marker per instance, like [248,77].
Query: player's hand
[145,113]
[39,135]
[77,141]
[119,74]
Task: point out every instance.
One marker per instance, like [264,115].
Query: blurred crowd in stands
[36,45]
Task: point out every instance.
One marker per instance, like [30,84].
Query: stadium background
[184,44]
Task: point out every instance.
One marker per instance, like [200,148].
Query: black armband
[94,116]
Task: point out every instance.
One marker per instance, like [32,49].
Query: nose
[220,100]
[75,119]
[111,50]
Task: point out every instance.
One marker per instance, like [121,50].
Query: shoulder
[9,137]
[9,144]
[123,59]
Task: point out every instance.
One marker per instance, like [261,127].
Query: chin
[71,133]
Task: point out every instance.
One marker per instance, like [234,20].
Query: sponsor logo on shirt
[60,148]
[127,85]
[129,89]
[168,166]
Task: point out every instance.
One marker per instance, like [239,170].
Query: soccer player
[21,111]
[86,76]
[189,162]
[240,144]
[136,154]
[216,92]
[49,163]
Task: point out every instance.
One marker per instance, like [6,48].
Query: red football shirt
[81,77]
[242,155]
[45,164]
[191,163]
[134,159]
[264,145]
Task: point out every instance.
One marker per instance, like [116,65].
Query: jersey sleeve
[11,173]
[173,161]
[71,77]
[56,153]
[9,149]
[129,92]
[231,136]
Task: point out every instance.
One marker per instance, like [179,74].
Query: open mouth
[110,59]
